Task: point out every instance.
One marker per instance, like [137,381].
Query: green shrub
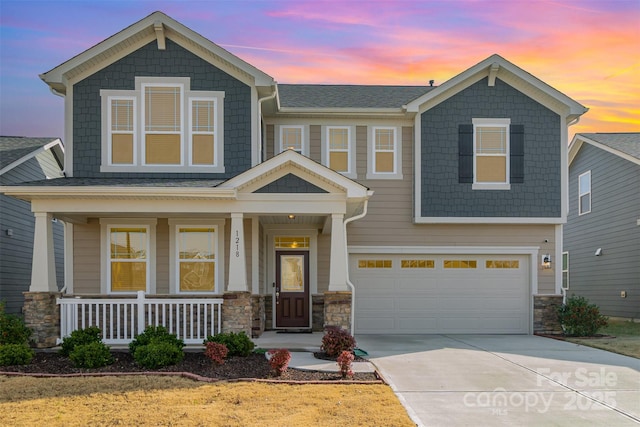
[336,340]
[158,354]
[80,337]
[92,355]
[15,354]
[238,344]
[12,328]
[579,318]
[155,334]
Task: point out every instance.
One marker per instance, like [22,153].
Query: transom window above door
[291,242]
[162,126]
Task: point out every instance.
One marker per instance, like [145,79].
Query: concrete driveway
[496,380]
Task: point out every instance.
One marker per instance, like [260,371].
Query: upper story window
[491,149]
[584,193]
[162,126]
[385,153]
[292,137]
[339,149]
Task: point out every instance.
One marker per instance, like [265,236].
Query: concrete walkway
[492,380]
[511,380]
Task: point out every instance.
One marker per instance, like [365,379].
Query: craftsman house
[601,259]
[202,195]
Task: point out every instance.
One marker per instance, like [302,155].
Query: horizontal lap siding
[612,226]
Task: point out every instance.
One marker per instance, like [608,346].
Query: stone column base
[268,312]
[337,309]
[236,312]
[257,315]
[545,314]
[42,316]
[317,313]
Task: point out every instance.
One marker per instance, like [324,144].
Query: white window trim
[351,151]
[565,271]
[580,194]
[218,121]
[304,135]
[105,252]
[187,96]
[505,123]
[114,96]
[371,158]
[174,271]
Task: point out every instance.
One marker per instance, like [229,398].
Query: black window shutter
[465,154]
[516,137]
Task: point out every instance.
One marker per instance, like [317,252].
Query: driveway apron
[506,380]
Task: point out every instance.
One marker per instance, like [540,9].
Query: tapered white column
[338,263]
[237,258]
[43,268]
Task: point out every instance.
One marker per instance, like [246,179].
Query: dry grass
[171,401]
[625,338]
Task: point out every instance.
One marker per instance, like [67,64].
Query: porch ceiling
[314,220]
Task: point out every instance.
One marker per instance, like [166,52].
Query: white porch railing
[122,319]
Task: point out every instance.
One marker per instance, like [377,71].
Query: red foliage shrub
[344,362]
[216,352]
[279,360]
[336,340]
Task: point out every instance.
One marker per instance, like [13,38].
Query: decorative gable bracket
[159,29]
[493,73]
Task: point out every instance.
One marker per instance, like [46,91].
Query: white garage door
[425,294]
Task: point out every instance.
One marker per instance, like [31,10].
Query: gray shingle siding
[16,251]
[611,225]
[290,184]
[148,61]
[444,196]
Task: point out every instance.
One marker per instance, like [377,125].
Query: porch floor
[308,342]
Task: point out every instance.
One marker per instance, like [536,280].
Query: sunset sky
[589,50]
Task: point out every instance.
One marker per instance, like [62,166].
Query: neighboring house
[602,234]
[194,176]
[21,160]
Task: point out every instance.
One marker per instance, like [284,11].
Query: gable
[290,183]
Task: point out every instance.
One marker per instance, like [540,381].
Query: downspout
[262,131]
[349,283]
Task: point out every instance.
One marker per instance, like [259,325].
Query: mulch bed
[194,365]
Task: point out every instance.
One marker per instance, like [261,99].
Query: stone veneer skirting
[42,316]
[257,315]
[337,309]
[317,312]
[237,312]
[545,314]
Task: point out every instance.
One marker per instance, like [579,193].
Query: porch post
[43,270]
[237,261]
[338,260]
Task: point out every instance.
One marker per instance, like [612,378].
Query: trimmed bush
[279,360]
[15,354]
[158,354]
[344,362]
[92,355]
[80,337]
[216,352]
[580,318]
[336,340]
[12,328]
[238,344]
[155,334]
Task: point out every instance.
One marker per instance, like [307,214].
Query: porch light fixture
[546,261]
[291,216]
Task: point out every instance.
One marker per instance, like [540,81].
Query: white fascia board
[342,112]
[34,153]
[63,192]
[483,69]
[579,139]
[442,250]
[56,75]
[489,220]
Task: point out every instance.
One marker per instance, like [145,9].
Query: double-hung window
[385,153]
[128,255]
[196,248]
[338,149]
[292,137]
[491,148]
[162,126]
[584,193]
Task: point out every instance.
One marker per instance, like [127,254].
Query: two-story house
[601,261]
[193,176]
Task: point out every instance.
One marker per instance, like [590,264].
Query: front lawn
[164,401]
[624,338]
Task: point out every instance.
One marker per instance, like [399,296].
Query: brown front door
[292,289]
